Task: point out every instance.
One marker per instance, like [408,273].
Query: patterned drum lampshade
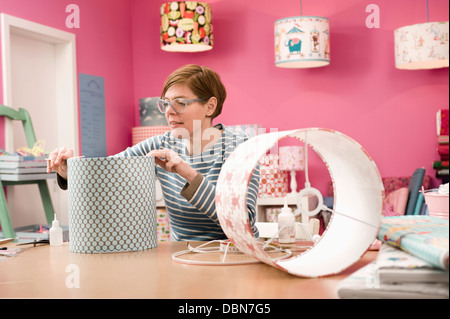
[292,158]
[112,205]
[357,208]
[422,46]
[302,42]
[186,26]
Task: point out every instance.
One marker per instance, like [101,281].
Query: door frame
[66,90]
[66,76]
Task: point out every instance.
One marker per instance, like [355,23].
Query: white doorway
[39,75]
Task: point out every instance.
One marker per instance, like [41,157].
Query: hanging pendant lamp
[422,46]
[302,42]
[186,26]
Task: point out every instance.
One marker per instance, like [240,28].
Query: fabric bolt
[443,122]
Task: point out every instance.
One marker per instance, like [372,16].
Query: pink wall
[390,112]
[103,49]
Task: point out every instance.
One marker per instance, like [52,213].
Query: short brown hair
[203,82]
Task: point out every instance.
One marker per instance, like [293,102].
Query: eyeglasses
[179,105]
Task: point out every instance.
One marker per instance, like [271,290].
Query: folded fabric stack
[442,165]
[412,262]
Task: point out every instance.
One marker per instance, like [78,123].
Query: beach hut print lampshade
[186,26]
[302,42]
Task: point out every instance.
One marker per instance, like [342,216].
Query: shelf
[274,201]
[26,177]
[263,202]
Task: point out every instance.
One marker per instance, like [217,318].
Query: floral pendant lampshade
[186,26]
[422,46]
[302,42]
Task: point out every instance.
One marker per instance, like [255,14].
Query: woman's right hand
[57,161]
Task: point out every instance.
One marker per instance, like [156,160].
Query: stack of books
[413,262]
[441,166]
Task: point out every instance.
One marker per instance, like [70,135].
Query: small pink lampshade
[292,158]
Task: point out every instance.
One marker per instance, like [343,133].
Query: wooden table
[54,272]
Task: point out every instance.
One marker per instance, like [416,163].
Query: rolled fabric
[112,204]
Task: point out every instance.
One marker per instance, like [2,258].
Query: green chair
[5,221]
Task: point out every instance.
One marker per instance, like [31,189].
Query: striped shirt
[194,216]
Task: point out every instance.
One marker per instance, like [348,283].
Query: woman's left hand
[167,159]
[172,162]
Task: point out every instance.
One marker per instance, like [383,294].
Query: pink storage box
[141,133]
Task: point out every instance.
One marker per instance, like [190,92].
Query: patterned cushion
[389,210]
[391,184]
[398,199]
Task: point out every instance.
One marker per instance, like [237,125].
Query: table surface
[50,272]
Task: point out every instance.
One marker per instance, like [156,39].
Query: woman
[190,156]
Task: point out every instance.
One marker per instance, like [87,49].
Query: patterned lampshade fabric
[112,204]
